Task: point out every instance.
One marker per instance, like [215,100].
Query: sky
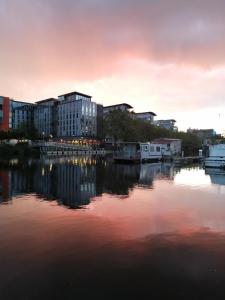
[165,56]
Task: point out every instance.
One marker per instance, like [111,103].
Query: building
[166,124]
[122,107]
[100,133]
[203,134]
[170,147]
[145,116]
[77,116]
[7,113]
[46,117]
[23,114]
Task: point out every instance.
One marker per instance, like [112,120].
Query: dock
[180,161]
[61,149]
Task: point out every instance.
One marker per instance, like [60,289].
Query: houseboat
[137,152]
[215,157]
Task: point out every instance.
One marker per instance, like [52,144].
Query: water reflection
[154,232]
[74,182]
[217,176]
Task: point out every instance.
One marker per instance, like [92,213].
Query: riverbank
[19,150]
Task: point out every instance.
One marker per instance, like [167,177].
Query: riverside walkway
[56,148]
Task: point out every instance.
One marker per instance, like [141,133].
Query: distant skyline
[165,56]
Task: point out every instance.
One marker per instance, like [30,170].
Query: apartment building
[166,124]
[8,117]
[145,116]
[77,116]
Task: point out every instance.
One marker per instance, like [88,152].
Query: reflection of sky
[194,178]
[191,204]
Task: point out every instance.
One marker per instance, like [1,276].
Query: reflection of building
[217,176]
[73,182]
[149,172]
[5,186]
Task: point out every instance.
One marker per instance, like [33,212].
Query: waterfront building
[46,117]
[23,114]
[170,147]
[145,116]
[7,112]
[122,107]
[203,134]
[166,124]
[77,116]
[100,133]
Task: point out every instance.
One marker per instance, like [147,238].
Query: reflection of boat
[216,157]
[217,176]
[150,171]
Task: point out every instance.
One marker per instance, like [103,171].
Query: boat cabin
[137,152]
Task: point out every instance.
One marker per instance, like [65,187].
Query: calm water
[75,229]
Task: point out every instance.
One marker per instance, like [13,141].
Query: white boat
[216,157]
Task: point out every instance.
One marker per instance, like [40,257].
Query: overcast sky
[166,56]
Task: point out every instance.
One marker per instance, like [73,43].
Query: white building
[169,147]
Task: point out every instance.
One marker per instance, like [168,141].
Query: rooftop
[164,141]
[146,112]
[76,93]
[47,100]
[125,104]
[166,120]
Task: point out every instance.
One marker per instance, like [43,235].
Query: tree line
[120,125]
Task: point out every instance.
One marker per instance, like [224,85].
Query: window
[152,149]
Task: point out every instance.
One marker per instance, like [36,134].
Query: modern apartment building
[46,117]
[77,116]
[23,114]
[121,107]
[8,117]
[145,116]
[72,115]
[166,124]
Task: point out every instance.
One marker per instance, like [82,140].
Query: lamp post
[43,135]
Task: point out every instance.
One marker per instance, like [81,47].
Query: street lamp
[43,134]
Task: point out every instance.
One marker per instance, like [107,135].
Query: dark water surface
[82,229]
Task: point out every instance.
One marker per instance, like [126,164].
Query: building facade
[77,116]
[122,107]
[145,116]
[9,118]
[23,114]
[170,147]
[45,117]
[166,124]
[203,133]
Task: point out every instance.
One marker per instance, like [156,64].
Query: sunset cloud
[176,47]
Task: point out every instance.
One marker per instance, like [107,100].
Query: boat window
[152,149]
[158,149]
[146,148]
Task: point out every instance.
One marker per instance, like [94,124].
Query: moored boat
[216,157]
